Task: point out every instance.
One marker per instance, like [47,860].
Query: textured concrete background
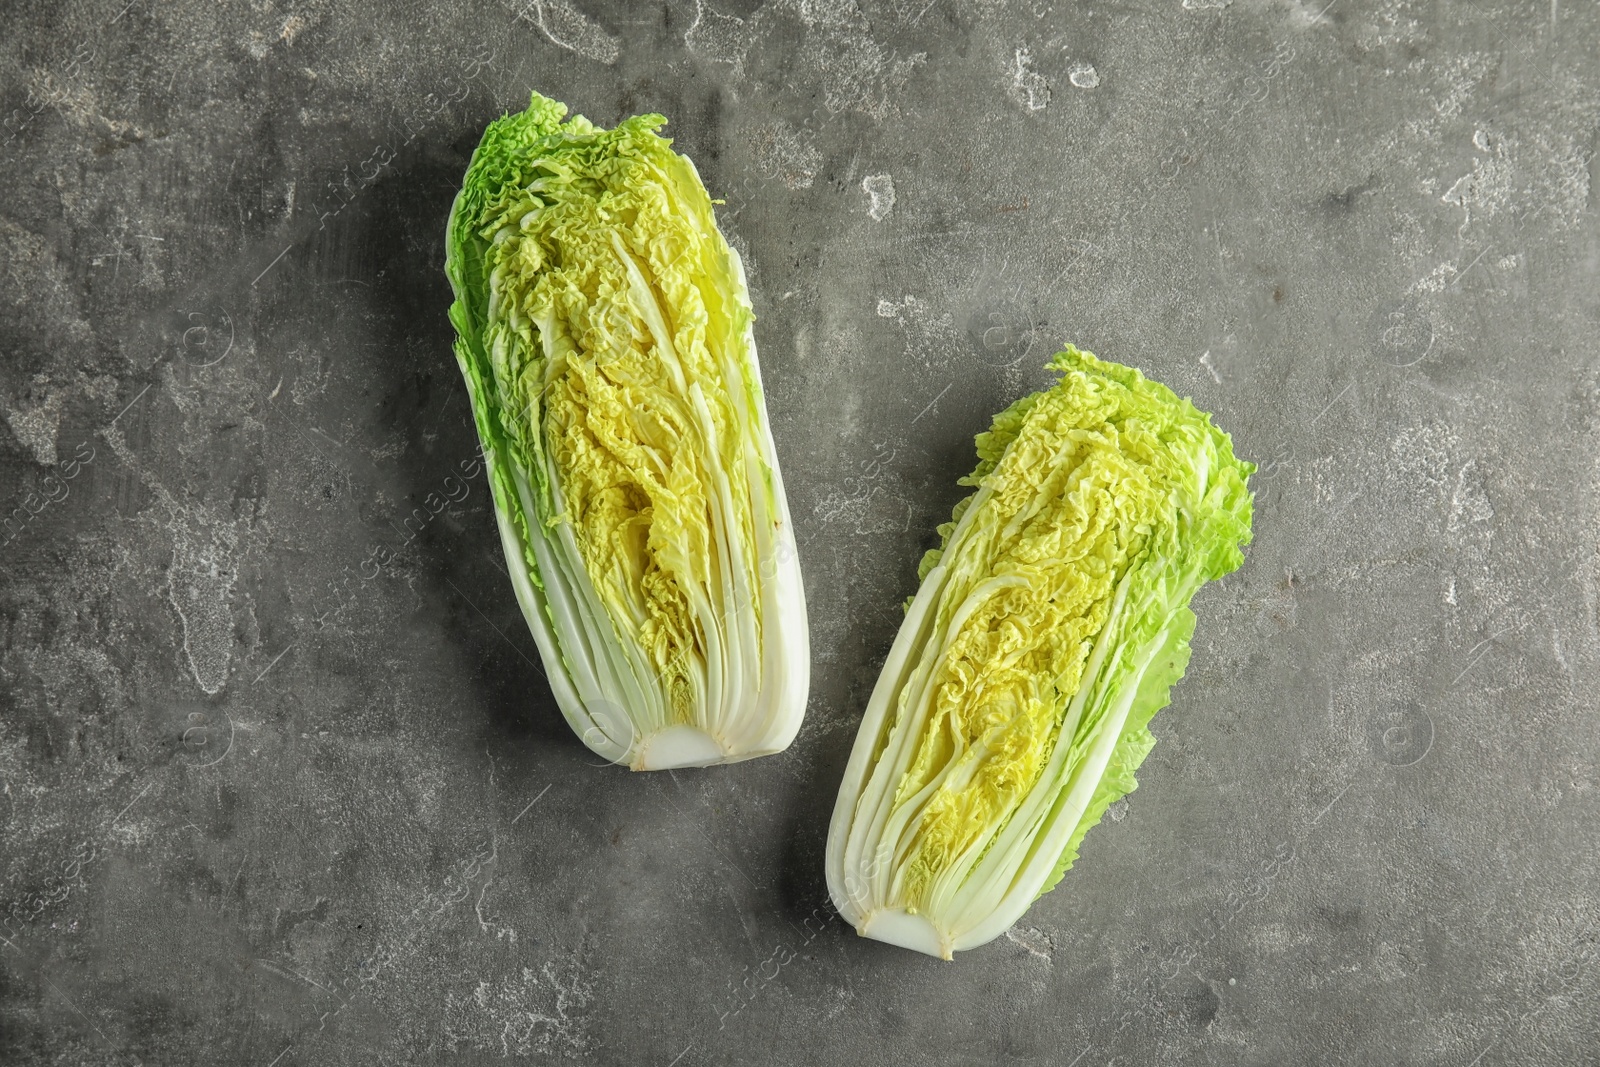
[283,784]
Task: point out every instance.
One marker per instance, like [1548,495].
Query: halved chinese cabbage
[1047,631]
[605,333]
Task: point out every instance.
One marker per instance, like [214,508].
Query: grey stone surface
[280,778]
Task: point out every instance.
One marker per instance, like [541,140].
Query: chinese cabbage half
[605,333]
[1048,628]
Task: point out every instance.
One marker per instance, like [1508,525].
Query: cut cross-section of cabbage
[1049,626]
[605,332]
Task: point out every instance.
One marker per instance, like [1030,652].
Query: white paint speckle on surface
[719,38]
[567,27]
[1483,192]
[1542,171]
[531,1014]
[1028,86]
[837,52]
[1035,943]
[200,582]
[1083,75]
[1469,503]
[36,425]
[880,190]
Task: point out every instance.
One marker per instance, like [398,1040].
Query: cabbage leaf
[604,330]
[1050,624]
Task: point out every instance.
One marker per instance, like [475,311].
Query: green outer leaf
[1136,741]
